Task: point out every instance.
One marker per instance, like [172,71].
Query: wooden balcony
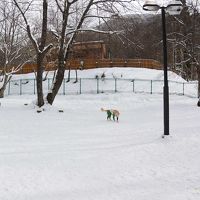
[97,63]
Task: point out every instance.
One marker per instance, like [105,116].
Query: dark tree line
[140,36]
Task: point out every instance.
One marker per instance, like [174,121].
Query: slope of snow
[79,155]
[125,73]
[109,80]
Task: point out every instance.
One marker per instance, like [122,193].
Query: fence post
[48,84]
[97,85]
[9,87]
[20,86]
[133,85]
[151,86]
[80,86]
[115,84]
[34,85]
[64,86]
[183,88]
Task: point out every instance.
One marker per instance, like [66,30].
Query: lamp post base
[166,136]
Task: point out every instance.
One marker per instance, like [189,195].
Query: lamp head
[151,5]
[174,7]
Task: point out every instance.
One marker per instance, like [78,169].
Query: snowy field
[79,155]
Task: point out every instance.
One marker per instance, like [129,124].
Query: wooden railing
[97,63]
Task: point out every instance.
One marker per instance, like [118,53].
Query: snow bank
[124,73]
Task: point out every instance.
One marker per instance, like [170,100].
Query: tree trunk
[198,72]
[58,82]
[198,83]
[2,93]
[2,89]
[40,98]
[69,73]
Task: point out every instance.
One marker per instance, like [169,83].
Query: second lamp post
[174,8]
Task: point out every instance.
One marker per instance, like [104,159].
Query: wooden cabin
[88,50]
[89,55]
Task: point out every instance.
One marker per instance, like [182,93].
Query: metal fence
[93,85]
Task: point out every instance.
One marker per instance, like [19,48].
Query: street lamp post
[174,8]
[166,87]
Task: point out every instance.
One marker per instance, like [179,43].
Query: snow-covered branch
[93,30]
[16,69]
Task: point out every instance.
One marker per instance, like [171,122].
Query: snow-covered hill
[114,80]
[125,73]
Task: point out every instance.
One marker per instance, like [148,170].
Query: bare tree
[12,42]
[184,36]
[39,44]
[74,16]
[195,41]
[185,40]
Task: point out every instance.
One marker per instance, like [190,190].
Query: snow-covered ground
[79,155]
